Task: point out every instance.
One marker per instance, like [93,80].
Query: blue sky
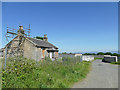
[71,26]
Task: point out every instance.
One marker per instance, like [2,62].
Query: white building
[87,57]
[110,58]
[78,55]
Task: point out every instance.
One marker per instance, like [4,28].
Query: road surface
[102,75]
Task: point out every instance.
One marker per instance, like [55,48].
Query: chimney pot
[21,27]
[45,37]
[21,31]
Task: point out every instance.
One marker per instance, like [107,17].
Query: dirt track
[103,75]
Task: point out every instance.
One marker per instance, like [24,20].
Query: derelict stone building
[30,47]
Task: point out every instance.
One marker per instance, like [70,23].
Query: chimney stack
[21,31]
[45,37]
[20,27]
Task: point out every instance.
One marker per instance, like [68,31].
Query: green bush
[26,73]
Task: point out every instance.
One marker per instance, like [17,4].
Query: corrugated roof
[42,43]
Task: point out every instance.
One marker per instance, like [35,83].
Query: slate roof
[42,43]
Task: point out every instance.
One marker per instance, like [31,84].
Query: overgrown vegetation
[26,73]
[117,63]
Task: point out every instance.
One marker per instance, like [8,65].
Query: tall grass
[26,73]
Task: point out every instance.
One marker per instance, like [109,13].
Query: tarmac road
[102,75]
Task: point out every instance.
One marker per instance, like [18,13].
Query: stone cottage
[28,47]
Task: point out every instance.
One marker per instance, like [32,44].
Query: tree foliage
[37,37]
[108,53]
[100,53]
[64,53]
[114,54]
[89,54]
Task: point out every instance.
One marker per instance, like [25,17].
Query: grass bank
[116,63]
[26,73]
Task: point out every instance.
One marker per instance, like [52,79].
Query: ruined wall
[12,48]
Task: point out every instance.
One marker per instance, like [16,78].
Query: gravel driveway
[102,75]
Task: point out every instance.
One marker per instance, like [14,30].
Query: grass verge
[26,73]
[116,63]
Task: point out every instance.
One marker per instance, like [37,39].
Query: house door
[50,54]
[43,53]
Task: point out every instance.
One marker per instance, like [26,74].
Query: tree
[118,55]
[86,54]
[64,53]
[89,54]
[100,53]
[114,54]
[70,53]
[93,54]
[37,37]
[108,53]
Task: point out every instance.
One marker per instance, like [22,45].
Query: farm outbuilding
[87,57]
[110,59]
[32,48]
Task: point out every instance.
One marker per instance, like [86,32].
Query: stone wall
[12,48]
[29,50]
[33,52]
